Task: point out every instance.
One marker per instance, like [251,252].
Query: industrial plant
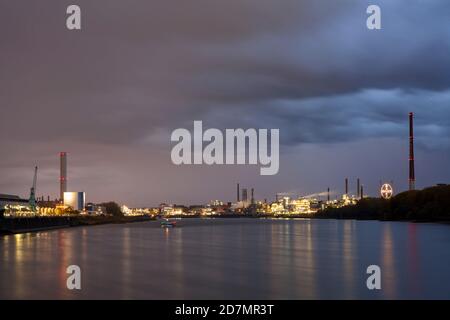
[74,202]
[68,203]
[284,204]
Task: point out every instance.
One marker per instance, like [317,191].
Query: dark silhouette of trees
[112,208]
[430,204]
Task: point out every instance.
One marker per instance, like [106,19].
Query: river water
[230,259]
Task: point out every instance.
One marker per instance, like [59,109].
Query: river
[230,259]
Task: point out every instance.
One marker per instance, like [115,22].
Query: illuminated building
[75,200]
[125,210]
[7,199]
[94,209]
[174,210]
[348,200]
[15,206]
[301,206]
[143,211]
[277,208]
[207,211]
[177,210]
[285,201]
[216,203]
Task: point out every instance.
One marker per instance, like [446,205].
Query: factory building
[10,204]
[13,205]
[95,209]
[11,200]
[75,200]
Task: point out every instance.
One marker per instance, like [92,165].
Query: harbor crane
[32,200]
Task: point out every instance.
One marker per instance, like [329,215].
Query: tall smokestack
[238,193]
[362,192]
[358,188]
[253,196]
[244,195]
[412,175]
[328,194]
[63,175]
[346,186]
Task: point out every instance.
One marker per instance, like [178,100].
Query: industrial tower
[32,200]
[63,176]
[412,175]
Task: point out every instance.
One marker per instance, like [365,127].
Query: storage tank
[75,200]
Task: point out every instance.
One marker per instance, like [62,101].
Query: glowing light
[386,191]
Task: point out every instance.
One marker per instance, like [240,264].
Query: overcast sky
[111,94]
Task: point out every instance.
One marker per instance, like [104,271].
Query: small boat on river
[166,223]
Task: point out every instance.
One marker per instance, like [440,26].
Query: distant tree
[429,204]
[112,208]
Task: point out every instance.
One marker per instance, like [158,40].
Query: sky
[111,93]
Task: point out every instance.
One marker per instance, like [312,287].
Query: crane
[32,200]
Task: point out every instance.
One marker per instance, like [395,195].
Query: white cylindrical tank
[75,200]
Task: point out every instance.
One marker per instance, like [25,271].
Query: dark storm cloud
[139,69]
[134,62]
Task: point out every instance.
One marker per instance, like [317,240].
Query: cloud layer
[111,93]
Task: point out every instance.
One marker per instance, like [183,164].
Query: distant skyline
[110,95]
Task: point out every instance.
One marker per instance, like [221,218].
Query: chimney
[238,193]
[253,196]
[328,194]
[362,192]
[412,175]
[358,188]
[244,195]
[63,175]
[346,186]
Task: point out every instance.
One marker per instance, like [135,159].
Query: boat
[166,223]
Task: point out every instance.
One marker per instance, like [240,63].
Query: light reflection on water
[388,267]
[230,259]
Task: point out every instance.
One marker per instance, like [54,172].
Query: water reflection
[18,258]
[348,257]
[413,259]
[126,261]
[389,276]
[309,277]
[229,259]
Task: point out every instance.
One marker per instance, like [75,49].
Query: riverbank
[330,214]
[427,205]
[24,225]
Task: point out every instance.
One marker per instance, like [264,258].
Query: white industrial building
[75,200]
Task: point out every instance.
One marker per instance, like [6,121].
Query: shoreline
[10,226]
[22,225]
